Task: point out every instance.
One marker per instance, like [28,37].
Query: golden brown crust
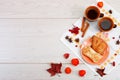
[98,45]
[91,54]
[101,48]
[95,42]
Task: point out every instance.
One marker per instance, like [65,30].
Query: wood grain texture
[38,72]
[46,8]
[41,8]
[32,40]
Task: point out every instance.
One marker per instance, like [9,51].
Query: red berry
[66,55]
[100,4]
[68,70]
[75,61]
[82,73]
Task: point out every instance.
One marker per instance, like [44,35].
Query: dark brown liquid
[106,24]
[92,14]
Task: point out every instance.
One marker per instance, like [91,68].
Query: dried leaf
[55,68]
[51,71]
[101,72]
[75,30]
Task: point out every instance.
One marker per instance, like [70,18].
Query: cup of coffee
[92,13]
[105,24]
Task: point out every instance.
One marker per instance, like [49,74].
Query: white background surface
[30,32]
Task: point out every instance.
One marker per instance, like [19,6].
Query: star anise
[101,72]
[117,42]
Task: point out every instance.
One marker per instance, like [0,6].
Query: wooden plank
[38,72]
[47,8]
[42,8]
[33,40]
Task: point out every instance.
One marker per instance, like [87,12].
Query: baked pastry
[95,42]
[98,45]
[101,48]
[91,54]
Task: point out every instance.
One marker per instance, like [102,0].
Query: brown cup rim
[108,18]
[92,7]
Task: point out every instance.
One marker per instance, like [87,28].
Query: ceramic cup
[105,24]
[92,13]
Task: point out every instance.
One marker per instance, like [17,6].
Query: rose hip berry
[66,55]
[82,73]
[68,70]
[75,61]
[100,4]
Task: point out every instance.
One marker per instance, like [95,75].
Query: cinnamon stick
[83,24]
[85,29]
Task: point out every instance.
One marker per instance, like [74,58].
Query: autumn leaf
[55,68]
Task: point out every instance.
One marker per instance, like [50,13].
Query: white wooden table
[29,38]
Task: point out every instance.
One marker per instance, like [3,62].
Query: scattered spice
[110,11]
[68,70]
[75,61]
[115,26]
[117,42]
[55,68]
[69,39]
[82,73]
[100,4]
[77,40]
[76,45]
[115,54]
[101,72]
[75,30]
[113,63]
[113,37]
[101,15]
[66,55]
